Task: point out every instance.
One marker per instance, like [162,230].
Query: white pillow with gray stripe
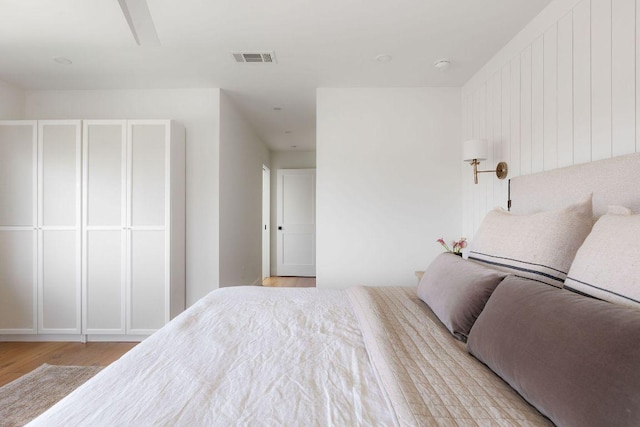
[538,246]
[607,266]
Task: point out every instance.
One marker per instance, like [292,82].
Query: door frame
[266,222]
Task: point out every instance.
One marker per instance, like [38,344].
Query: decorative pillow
[574,358]
[457,290]
[607,266]
[539,246]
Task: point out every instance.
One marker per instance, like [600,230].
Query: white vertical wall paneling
[466,176]
[537,105]
[489,135]
[475,111]
[473,129]
[571,94]
[505,143]
[536,27]
[479,191]
[481,188]
[515,145]
[485,188]
[482,112]
[582,82]
[467,196]
[525,112]
[637,70]
[601,79]
[550,150]
[565,91]
[623,76]
[498,138]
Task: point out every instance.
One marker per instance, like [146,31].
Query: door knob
[279,227]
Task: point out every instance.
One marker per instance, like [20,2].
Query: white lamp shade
[475,149]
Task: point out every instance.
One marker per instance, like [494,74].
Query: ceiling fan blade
[137,14]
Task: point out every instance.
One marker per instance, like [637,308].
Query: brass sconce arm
[501,170]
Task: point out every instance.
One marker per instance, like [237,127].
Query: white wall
[293,160]
[388,182]
[11,102]
[243,155]
[563,91]
[284,160]
[198,111]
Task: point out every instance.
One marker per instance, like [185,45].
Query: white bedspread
[241,356]
[297,357]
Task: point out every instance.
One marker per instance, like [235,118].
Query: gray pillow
[457,290]
[574,358]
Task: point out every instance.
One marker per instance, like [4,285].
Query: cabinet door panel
[147,295]
[17,174]
[60,288]
[148,175]
[59,175]
[17,281]
[104,148]
[104,290]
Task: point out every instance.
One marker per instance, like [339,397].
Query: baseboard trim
[72,338]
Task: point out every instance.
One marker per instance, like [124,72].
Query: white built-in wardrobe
[92,228]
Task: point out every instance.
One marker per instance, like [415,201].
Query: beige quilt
[428,377]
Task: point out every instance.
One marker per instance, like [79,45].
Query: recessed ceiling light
[442,64]
[62,60]
[383,57]
[277,108]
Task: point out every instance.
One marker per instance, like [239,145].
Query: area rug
[30,395]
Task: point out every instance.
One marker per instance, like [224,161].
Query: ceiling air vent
[263,57]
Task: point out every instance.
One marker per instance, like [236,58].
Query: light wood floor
[290,282]
[19,358]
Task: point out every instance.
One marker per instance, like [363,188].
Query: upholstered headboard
[614,181]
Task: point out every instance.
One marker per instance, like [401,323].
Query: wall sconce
[476,150]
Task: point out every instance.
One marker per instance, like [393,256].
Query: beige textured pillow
[607,266]
[539,246]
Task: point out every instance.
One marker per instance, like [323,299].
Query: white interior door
[104,218]
[18,227]
[59,236]
[296,219]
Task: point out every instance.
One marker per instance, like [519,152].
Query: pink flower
[457,246]
[444,245]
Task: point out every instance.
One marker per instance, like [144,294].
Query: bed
[480,342]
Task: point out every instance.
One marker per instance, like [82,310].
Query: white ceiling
[318,43]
